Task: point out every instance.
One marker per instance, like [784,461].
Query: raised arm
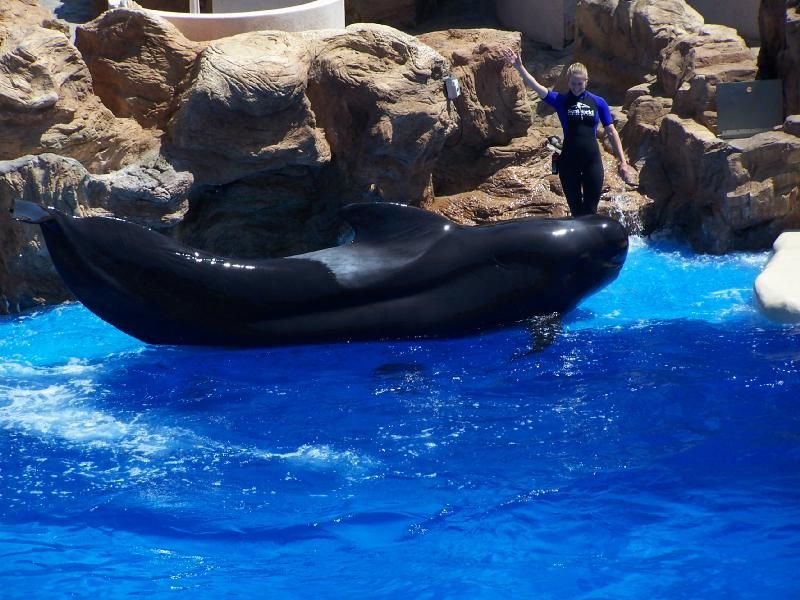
[513,59]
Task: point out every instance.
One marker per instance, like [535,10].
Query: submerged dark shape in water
[408,273]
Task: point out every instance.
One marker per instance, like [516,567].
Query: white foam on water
[64,412]
[59,403]
[61,411]
[316,455]
[74,366]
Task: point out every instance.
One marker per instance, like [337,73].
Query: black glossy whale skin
[407,273]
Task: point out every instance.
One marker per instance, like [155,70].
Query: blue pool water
[652,450]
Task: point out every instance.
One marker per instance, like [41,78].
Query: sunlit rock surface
[729,195]
[246,110]
[694,63]
[378,95]
[27,276]
[720,195]
[47,102]
[622,42]
[153,195]
[140,64]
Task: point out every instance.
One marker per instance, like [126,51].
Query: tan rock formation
[708,51]
[765,171]
[153,195]
[482,175]
[640,131]
[140,64]
[492,110]
[726,196]
[779,56]
[267,134]
[27,276]
[621,41]
[378,94]
[46,99]
[699,157]
[512,181]
[26,13]
[722,196]
[290,127]
[694,63]
[246,111]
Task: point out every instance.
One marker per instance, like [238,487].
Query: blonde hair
[577,69]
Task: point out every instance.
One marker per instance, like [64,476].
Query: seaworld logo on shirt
[580,110]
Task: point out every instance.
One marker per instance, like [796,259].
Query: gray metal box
[745,108]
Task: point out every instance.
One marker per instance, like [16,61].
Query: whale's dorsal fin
[385,221]
[28,212]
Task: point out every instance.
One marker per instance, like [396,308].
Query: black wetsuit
[580,167]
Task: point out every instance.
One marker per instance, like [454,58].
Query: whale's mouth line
[611,265]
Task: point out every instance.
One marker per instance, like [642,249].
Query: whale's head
[601,247]
[589,254]
[562,260]
[603,238]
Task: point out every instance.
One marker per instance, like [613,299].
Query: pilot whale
[407,273]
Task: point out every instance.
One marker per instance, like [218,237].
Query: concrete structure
[231,17]
[777,288]
[742,15]
[549,21]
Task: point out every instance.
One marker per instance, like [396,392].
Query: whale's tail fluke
[28,212]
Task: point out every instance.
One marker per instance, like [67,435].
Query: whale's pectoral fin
[544,330]
[385,221]
[28,212]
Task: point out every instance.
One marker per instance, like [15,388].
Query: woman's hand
[626,172]
[515,60]
[512,58]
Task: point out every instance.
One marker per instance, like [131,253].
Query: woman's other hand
[512,58]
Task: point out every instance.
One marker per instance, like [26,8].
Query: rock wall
[246,111]
[47,102]
[664,63]
[779,57]
[216,144]
[492,109]
[27,277]
[496,165]
[620,41]
[730,195]
[378,94]
[247,146]
[140,65]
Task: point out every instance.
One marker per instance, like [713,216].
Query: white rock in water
[777,288]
